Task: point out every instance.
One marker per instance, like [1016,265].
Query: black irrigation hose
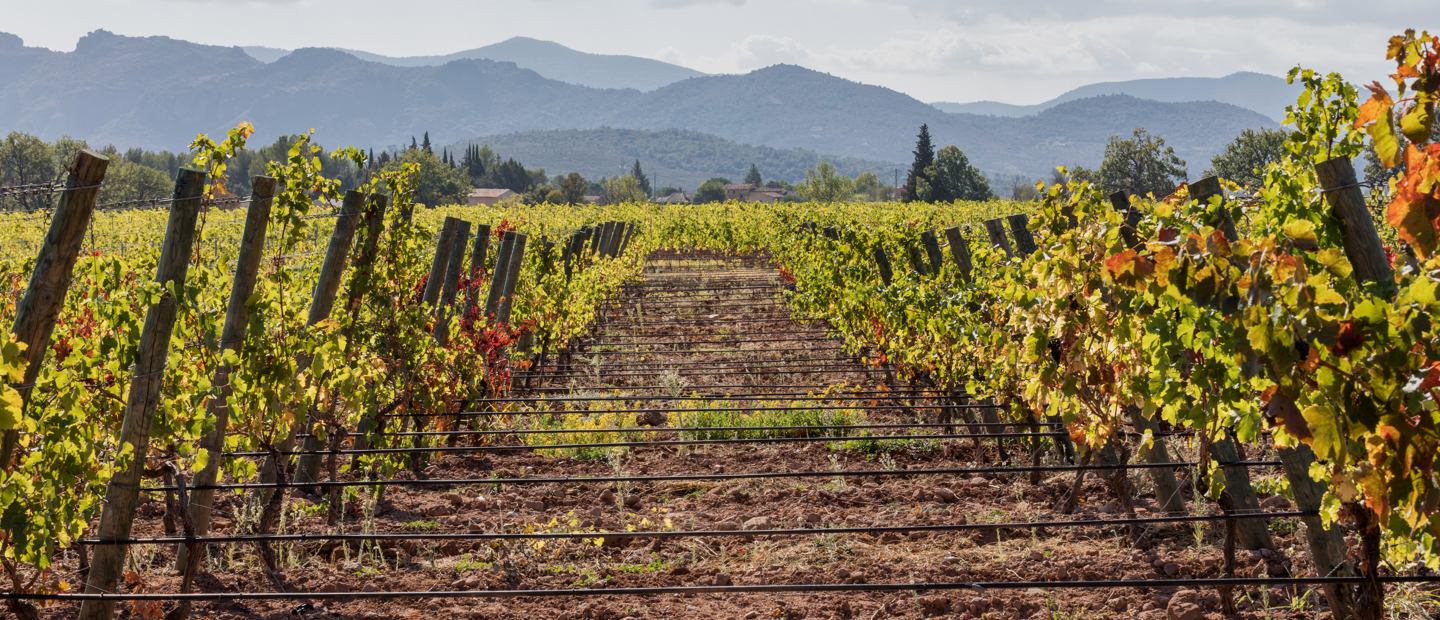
[707,410]
[682,429]
[862,395]
[805,370]
[786,386]
[639,444]
[976,586]
[899,529]
[695,477]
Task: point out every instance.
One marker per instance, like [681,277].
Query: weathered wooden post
[1202,191]
[959,251]
[435,282]
[882,261]
[512,278]
[232,336]
[497,279]
[50,279]
[123,490]
[1020,228]
[456,262]
[327,288]
[477,266]
[1121,201]
[932,250]
[996,230]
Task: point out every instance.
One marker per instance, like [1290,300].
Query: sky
[1013,51]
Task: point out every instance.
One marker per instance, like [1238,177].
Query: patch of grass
[794,413]
[874,446]
[581,428]
[467,564]
[421,525]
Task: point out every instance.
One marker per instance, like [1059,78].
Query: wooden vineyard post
[436,280]
[123,490]
[959,251]
[996,230]
[1205,189]
[477,265]
[50,280]
[512,279]
[1020,228]
[452,280]
[497,278]
[882,261]
[1327,547]
[360,285]
[1121,202]
[1167,489]
[1362,243]
[916,262]
[232,335]
[1253,533]
[596,232]
[321,304]
[572,250]
[629,234]
[1366,253]
[932,250]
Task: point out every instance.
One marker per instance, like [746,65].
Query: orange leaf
[1376,108]
[1283,412]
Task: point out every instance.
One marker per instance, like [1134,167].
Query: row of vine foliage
[376,352]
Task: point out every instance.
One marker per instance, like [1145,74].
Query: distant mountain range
[1261,93]
[673,157]
[549,59]
[156,92]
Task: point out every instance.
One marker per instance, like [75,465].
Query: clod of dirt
[841,573]
[679,571]
[607,497]
[979,605]
[723,580]
[632,501]
[758,523]
[943,494]
[727,526]
[1184,605]
[1171,569]
[534,505]
[890,538]
[813,518]
[934,605]
[979,481]
[1275,502]
[453,498]
[651,418]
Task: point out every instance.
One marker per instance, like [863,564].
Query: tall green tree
[425,144]
[437,184]
[953,178]
[712,190]
[1141,165]
[572,188]
[1246,157]
[753,177]
[624,190]
[126,181]
[26,160]
[918,179]
[824,184]
[640,178]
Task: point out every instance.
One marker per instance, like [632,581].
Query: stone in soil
[758,523]
[1184,605]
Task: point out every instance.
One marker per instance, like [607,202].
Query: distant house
[594,200]
[676,198]
[747,192]
[487,196]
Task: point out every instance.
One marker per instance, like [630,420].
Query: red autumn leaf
[1349,339]
[1283,413]
[1416,206]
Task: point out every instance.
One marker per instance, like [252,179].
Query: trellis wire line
[867,395]
[702,410]
[694,477]
[683,429]
[638,444]
[974,586]
[899,529]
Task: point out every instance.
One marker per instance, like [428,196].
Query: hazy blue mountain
[549,59]
[672,157]
[157,92]
[1262,93]
[265,54]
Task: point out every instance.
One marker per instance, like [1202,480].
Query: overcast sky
[1015,51]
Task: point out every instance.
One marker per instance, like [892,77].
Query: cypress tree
[924,157]
[640,176]
[425,145]
[753,177]
[413,146]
